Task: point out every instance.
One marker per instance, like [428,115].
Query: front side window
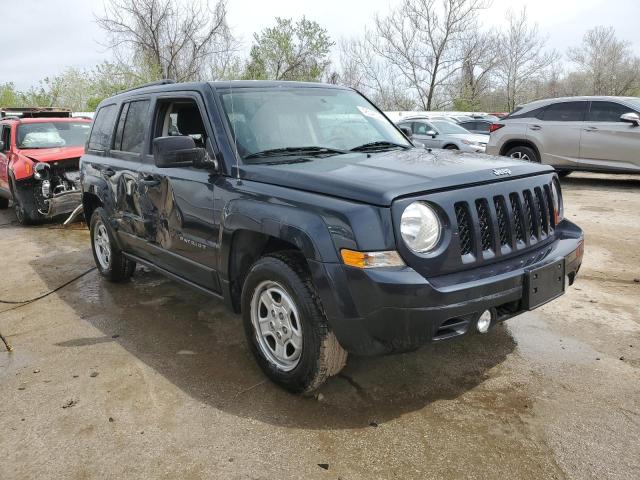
[135,126]
[607,112]
[289,118]
[421,128]
[181,117]
[52,134]
[103,124]
[565,112]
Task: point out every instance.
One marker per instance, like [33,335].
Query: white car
[444,134]
[573,133]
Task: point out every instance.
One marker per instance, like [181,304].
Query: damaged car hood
[52,154]
[379,178]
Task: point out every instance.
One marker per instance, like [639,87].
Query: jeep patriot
[314,217]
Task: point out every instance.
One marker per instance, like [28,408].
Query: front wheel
[285,326]
[523,153]
[111,263]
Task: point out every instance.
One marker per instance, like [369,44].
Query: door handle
[108,172]
[590,129]
[535,127]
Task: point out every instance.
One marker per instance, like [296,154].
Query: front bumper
[63,203]
[380,311]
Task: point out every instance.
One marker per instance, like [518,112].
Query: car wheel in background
[523,153]
[563,173]
[4,203]
[285,326]
[451,147]
[111,263]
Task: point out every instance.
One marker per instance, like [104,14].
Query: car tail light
[495,126]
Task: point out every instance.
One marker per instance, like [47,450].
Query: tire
[563,173]
[297,318]
[526,154]
[4,203]
[25,213]
[451,147]
[110,261]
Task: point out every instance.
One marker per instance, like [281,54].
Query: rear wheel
[451,147]
[523,153]
[111,263]
[285,326]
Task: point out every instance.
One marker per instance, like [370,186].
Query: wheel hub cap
[102,246]
[277,325]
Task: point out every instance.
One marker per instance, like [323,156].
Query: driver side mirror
[631,117]
[432,133]
[179,151]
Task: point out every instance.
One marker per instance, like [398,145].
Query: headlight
[41,170]
[420,227]
[558,208]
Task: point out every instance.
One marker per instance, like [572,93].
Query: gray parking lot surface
[150,379]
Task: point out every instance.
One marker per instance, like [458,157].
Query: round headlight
[420,227]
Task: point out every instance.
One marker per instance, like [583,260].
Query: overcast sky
[43,37]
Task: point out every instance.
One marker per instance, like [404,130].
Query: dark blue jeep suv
[307,211]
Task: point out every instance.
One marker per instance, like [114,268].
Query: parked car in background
[40,150]
[444,134]
[573,133]
[307,211]
[479,126]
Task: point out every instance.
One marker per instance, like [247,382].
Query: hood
[52,154]
[379,178]
[472,137]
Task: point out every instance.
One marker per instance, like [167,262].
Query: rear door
[557,131]
[181,227]
[608,142]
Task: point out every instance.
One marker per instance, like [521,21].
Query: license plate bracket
[543,284]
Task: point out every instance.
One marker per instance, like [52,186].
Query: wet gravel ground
[152,380]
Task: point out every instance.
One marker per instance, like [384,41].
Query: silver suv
[573,133]
[444,134]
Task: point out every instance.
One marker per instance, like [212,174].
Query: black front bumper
[380,311]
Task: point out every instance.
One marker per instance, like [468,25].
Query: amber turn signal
[357,259]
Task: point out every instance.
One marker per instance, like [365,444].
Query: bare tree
[479,55]
[608,63]
[419,41]
[523,56]
[174,39]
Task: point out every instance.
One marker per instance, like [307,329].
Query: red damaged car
[40,151]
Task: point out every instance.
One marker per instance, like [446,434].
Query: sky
[41,38]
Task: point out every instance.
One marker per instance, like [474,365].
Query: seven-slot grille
[506,223]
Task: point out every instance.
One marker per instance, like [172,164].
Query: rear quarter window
[103,124]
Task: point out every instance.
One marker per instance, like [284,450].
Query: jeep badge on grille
[501,171]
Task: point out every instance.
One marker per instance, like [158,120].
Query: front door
[420,129]
[5,136]
[180,219]
[608,142]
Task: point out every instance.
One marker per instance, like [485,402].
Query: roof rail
[165,81]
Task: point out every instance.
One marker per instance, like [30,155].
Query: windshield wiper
[380,145]
[288,151]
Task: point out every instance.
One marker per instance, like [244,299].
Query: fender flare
[304,229]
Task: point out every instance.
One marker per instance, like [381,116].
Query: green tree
[290,51]
[9,96]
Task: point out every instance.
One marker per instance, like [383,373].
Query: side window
[134,120]
[607,112]
[180,117]
[565,112]
[406,125]
[421,128]
[6,137]
[100,138]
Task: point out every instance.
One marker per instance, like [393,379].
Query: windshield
[53,134]
[636,103]
[287,118]
[448,128]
